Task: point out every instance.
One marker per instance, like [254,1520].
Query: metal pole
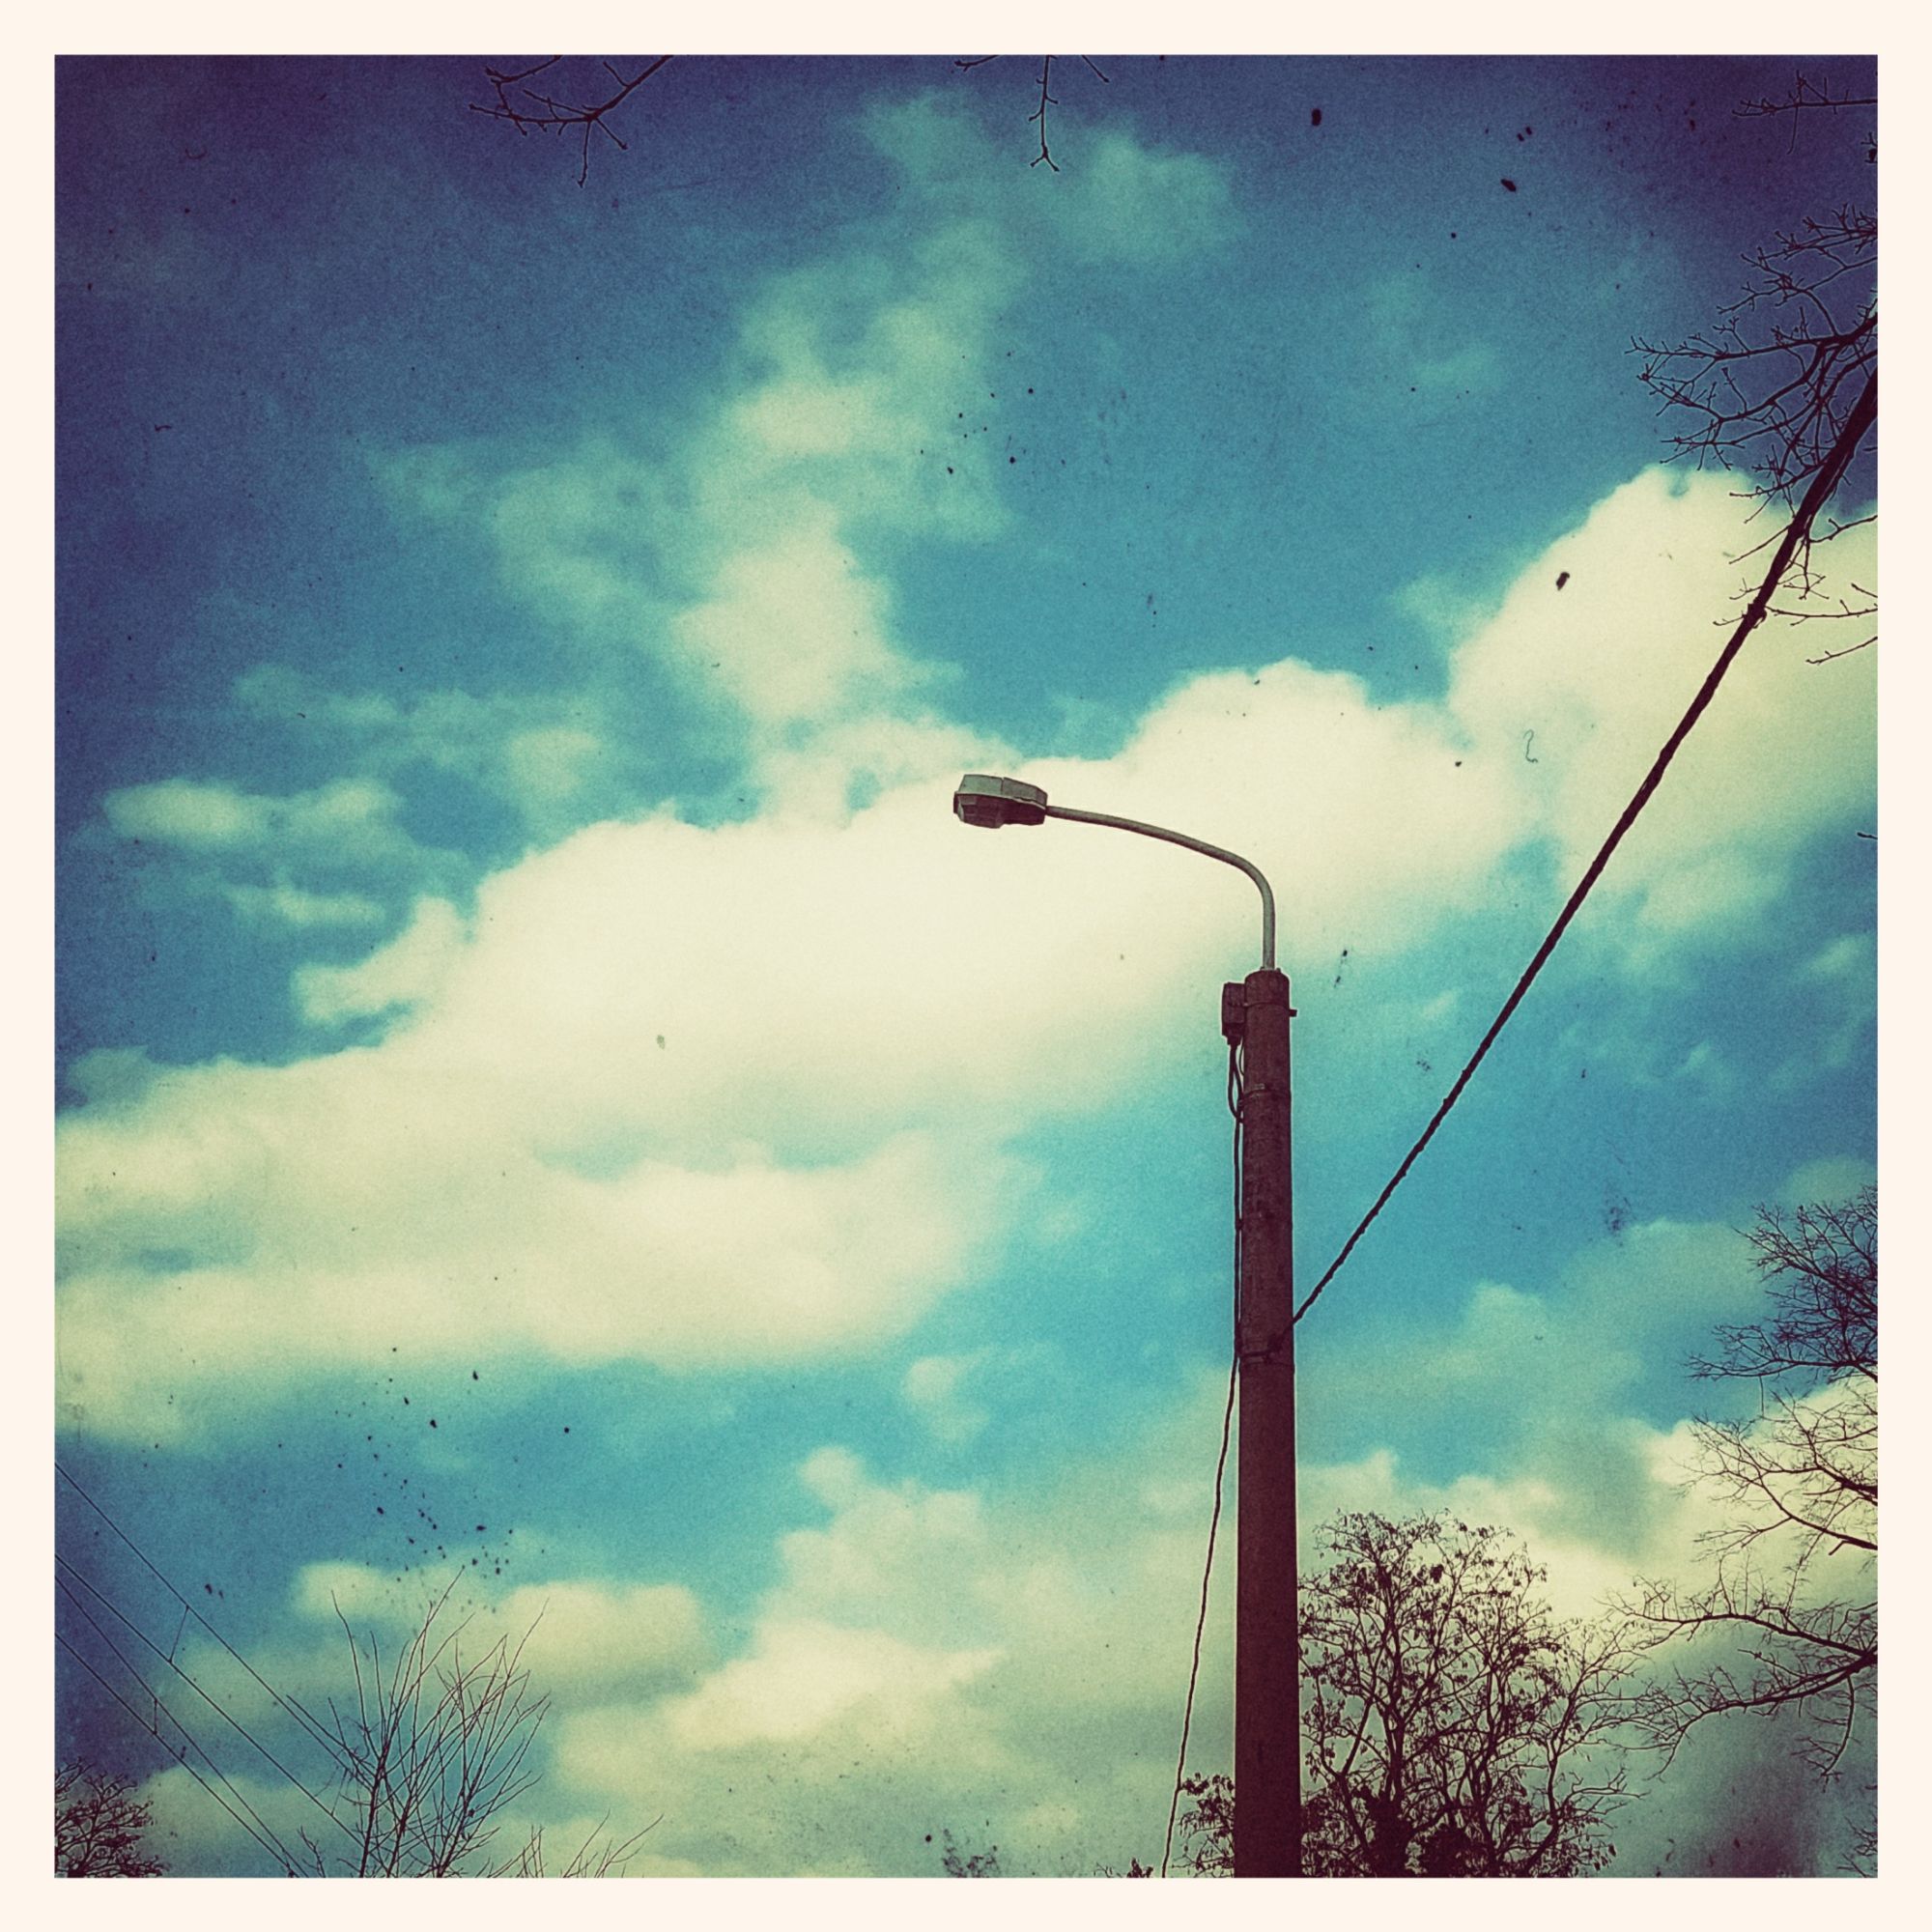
[1268,1687]
[1181,839]
[1268,1639]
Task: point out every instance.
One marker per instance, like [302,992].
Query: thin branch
[1047,98]
[1039,114]
[1806,95]
[548,114]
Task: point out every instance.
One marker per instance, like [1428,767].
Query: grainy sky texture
[548,1091]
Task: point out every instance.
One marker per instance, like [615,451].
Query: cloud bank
[672,1092]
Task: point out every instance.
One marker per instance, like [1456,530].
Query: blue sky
[516,966]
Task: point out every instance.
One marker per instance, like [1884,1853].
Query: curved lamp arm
[994,802]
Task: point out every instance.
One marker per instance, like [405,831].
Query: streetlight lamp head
[993,801]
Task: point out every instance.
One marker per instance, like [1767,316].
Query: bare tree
[1453,1726]
[1806,96]
[98,1827]
[1207,1826]
[1791,1579]
[1770,387]
[435,1751]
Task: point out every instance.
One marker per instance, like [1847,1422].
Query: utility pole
[1255,1013]
[1268,1687]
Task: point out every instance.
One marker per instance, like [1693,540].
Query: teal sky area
[548,1091]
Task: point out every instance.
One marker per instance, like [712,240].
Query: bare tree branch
[99,1827]
[1770,389]
[1790,1565]
[1808,95]
[530,111]
[438,1750]
[1047,99]
[1039,114]
[1452,1726]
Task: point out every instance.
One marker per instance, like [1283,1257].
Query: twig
[550,115]
[1039,114]
[1846,653]
[1047,99]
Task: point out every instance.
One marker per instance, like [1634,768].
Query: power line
[1220,1466]
[87,1664]
[1830,474]
[189,1680]
[292,1706]
[264,1837]
[155,1699]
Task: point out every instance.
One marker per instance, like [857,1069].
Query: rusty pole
[1268,1679]
[1268,1688]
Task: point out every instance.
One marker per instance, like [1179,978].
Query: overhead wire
[1234,1070]
[1797,531]
[292,1706]
[200,1691]
[264,1837]
[1827,479]
[1824,482]
[87,1664]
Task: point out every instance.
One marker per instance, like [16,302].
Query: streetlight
[1255,1013]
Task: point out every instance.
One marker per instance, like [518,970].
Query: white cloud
[1837,1177]
[926,1660]
[805,1679]
[1555,1378]
[684,1091]
[551,762]
[192,1830]
[933,1388]
[578,1636]
[405,972]
[1132,204]
[1118,199]
[351,817]
[792,627]
[1043,1634]
[543,753]
[795,417]
[202,817]
[1588,1559]
[734,561]
[852,383]
[370,1218]
[285,904]
[1573,691]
